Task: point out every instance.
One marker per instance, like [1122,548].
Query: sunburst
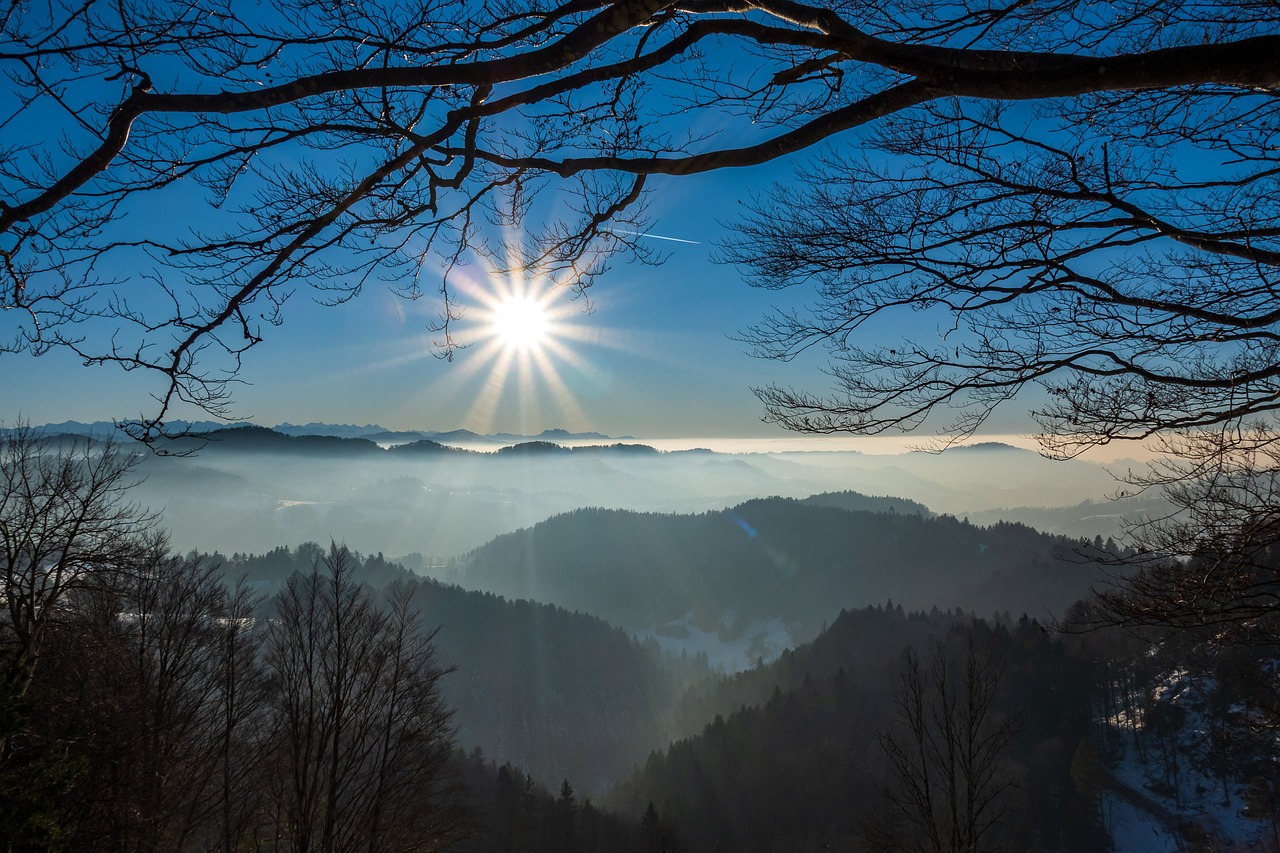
[523,336]
[521,323]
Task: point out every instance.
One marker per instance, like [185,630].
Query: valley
[646,650]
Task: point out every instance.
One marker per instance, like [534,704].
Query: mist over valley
[637,643]
[251,489]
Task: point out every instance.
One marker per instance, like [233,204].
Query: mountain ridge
[372,432]
[728,573]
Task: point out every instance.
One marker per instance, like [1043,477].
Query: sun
[525,353]
[520,323]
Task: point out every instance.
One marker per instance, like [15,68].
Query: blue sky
[653,357]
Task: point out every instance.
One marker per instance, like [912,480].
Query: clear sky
[652,358]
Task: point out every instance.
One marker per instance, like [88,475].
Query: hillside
[799,763]
[559,694]
[728,573]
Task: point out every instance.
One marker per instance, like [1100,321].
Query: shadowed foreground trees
[199,724]
[150,706]
[67,529]
[67,534]
[1206,580]
[362,737]
[794,756]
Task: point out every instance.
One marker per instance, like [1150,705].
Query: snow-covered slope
[1187,770]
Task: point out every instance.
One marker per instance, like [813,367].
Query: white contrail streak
[658,237]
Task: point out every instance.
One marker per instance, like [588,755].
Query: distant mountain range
[248,438]
[370,432]
[250,488]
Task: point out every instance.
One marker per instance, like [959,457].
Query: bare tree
[950,785]
[1115,250]
[243,729]
[166,710]
[67,528]
[158,691]
[1210,568]
[68,533]
[1204,590]
[364,738]
[1035,193]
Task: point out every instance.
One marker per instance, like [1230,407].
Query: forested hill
[799,763]
[775,558]
[862,646]
[858,502]
[559,694]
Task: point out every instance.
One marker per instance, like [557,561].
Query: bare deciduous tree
[950,784]
[159,691]
[181,719]
[67,527]
[1115,250]
[363,736]
[1208,572]
[165,708]
[1084,194]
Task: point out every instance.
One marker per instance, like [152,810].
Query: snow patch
[1171,798]
[764,639]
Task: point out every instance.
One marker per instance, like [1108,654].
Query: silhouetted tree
[364,738]
[1210,568]
[946,753]
[159,692]
[67,533]
[67,528]
[1033,192]
[567,818]
[651,830]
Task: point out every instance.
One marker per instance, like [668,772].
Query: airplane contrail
[657,236]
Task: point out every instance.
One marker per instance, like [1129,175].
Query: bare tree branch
[283,115]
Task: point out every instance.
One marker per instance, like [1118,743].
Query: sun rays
[524,338]
[528,353]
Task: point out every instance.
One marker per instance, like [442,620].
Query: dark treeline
[166,714]
[801,764]
[512,812]
[858,502]
[804,766]
[860,647]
